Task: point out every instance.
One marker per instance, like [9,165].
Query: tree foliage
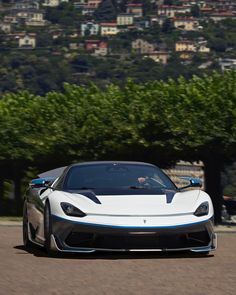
[156,121]
[106,11]
[64,14]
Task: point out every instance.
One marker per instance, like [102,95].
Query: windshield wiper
[136,187]
[82,188]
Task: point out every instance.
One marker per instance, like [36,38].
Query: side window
[58,184]
[158,179]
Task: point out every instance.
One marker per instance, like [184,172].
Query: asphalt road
[26,273]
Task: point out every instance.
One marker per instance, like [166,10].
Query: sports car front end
[117,206]
[133,223]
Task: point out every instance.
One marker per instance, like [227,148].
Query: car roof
[110,162]
[54,173]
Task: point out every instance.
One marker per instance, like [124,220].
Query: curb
[10,223]
[225,229]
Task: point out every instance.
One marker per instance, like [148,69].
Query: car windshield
[116,176]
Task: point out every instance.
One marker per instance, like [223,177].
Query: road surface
[26,273]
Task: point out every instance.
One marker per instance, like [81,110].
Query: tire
[201,254]
[25,229]
[205,253]
[48,230]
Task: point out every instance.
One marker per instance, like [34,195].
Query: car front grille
[138,240]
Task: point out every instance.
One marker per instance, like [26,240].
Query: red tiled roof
[114,24]
[171,6]
[185,42]
[103,44]
[92,41]
[228,13]
[25,34]
[134,5]
[206,9]
[184,19]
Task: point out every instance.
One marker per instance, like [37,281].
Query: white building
[53,3]
[227,63]
[89,29]
[5,27]
[109,29]
[125,19]
[27,40]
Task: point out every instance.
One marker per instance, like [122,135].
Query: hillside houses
[186,23]
[172,10]
[109,29]
[221,15]
[5,27]
[141,46]
[26,40]
[186,48]
[159,56]
[136,9]
[53,3]
[26,5]
[96,47]
[93,3]
[150,50]
[132,23]
[89,29]
[125,19]
[227,63]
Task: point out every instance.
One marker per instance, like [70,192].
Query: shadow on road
[40,252]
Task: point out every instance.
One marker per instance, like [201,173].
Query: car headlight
[71,210]
[202,210]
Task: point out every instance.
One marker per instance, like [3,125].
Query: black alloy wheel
[48,230]
[25,228]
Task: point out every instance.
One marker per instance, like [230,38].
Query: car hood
[169,203]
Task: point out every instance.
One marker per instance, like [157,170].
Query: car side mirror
[193,182]
[39,182]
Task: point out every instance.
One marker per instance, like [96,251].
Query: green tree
[195,11]
[106,11]
[203,126]
[158,122]
[167,26]
[218,44]
[64,14]
[229,180]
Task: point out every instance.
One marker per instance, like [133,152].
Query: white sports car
[116,206]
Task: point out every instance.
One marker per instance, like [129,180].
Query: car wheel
[205,253]
[48,229]
[25,229]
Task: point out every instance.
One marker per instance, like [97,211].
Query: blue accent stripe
[124,226]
